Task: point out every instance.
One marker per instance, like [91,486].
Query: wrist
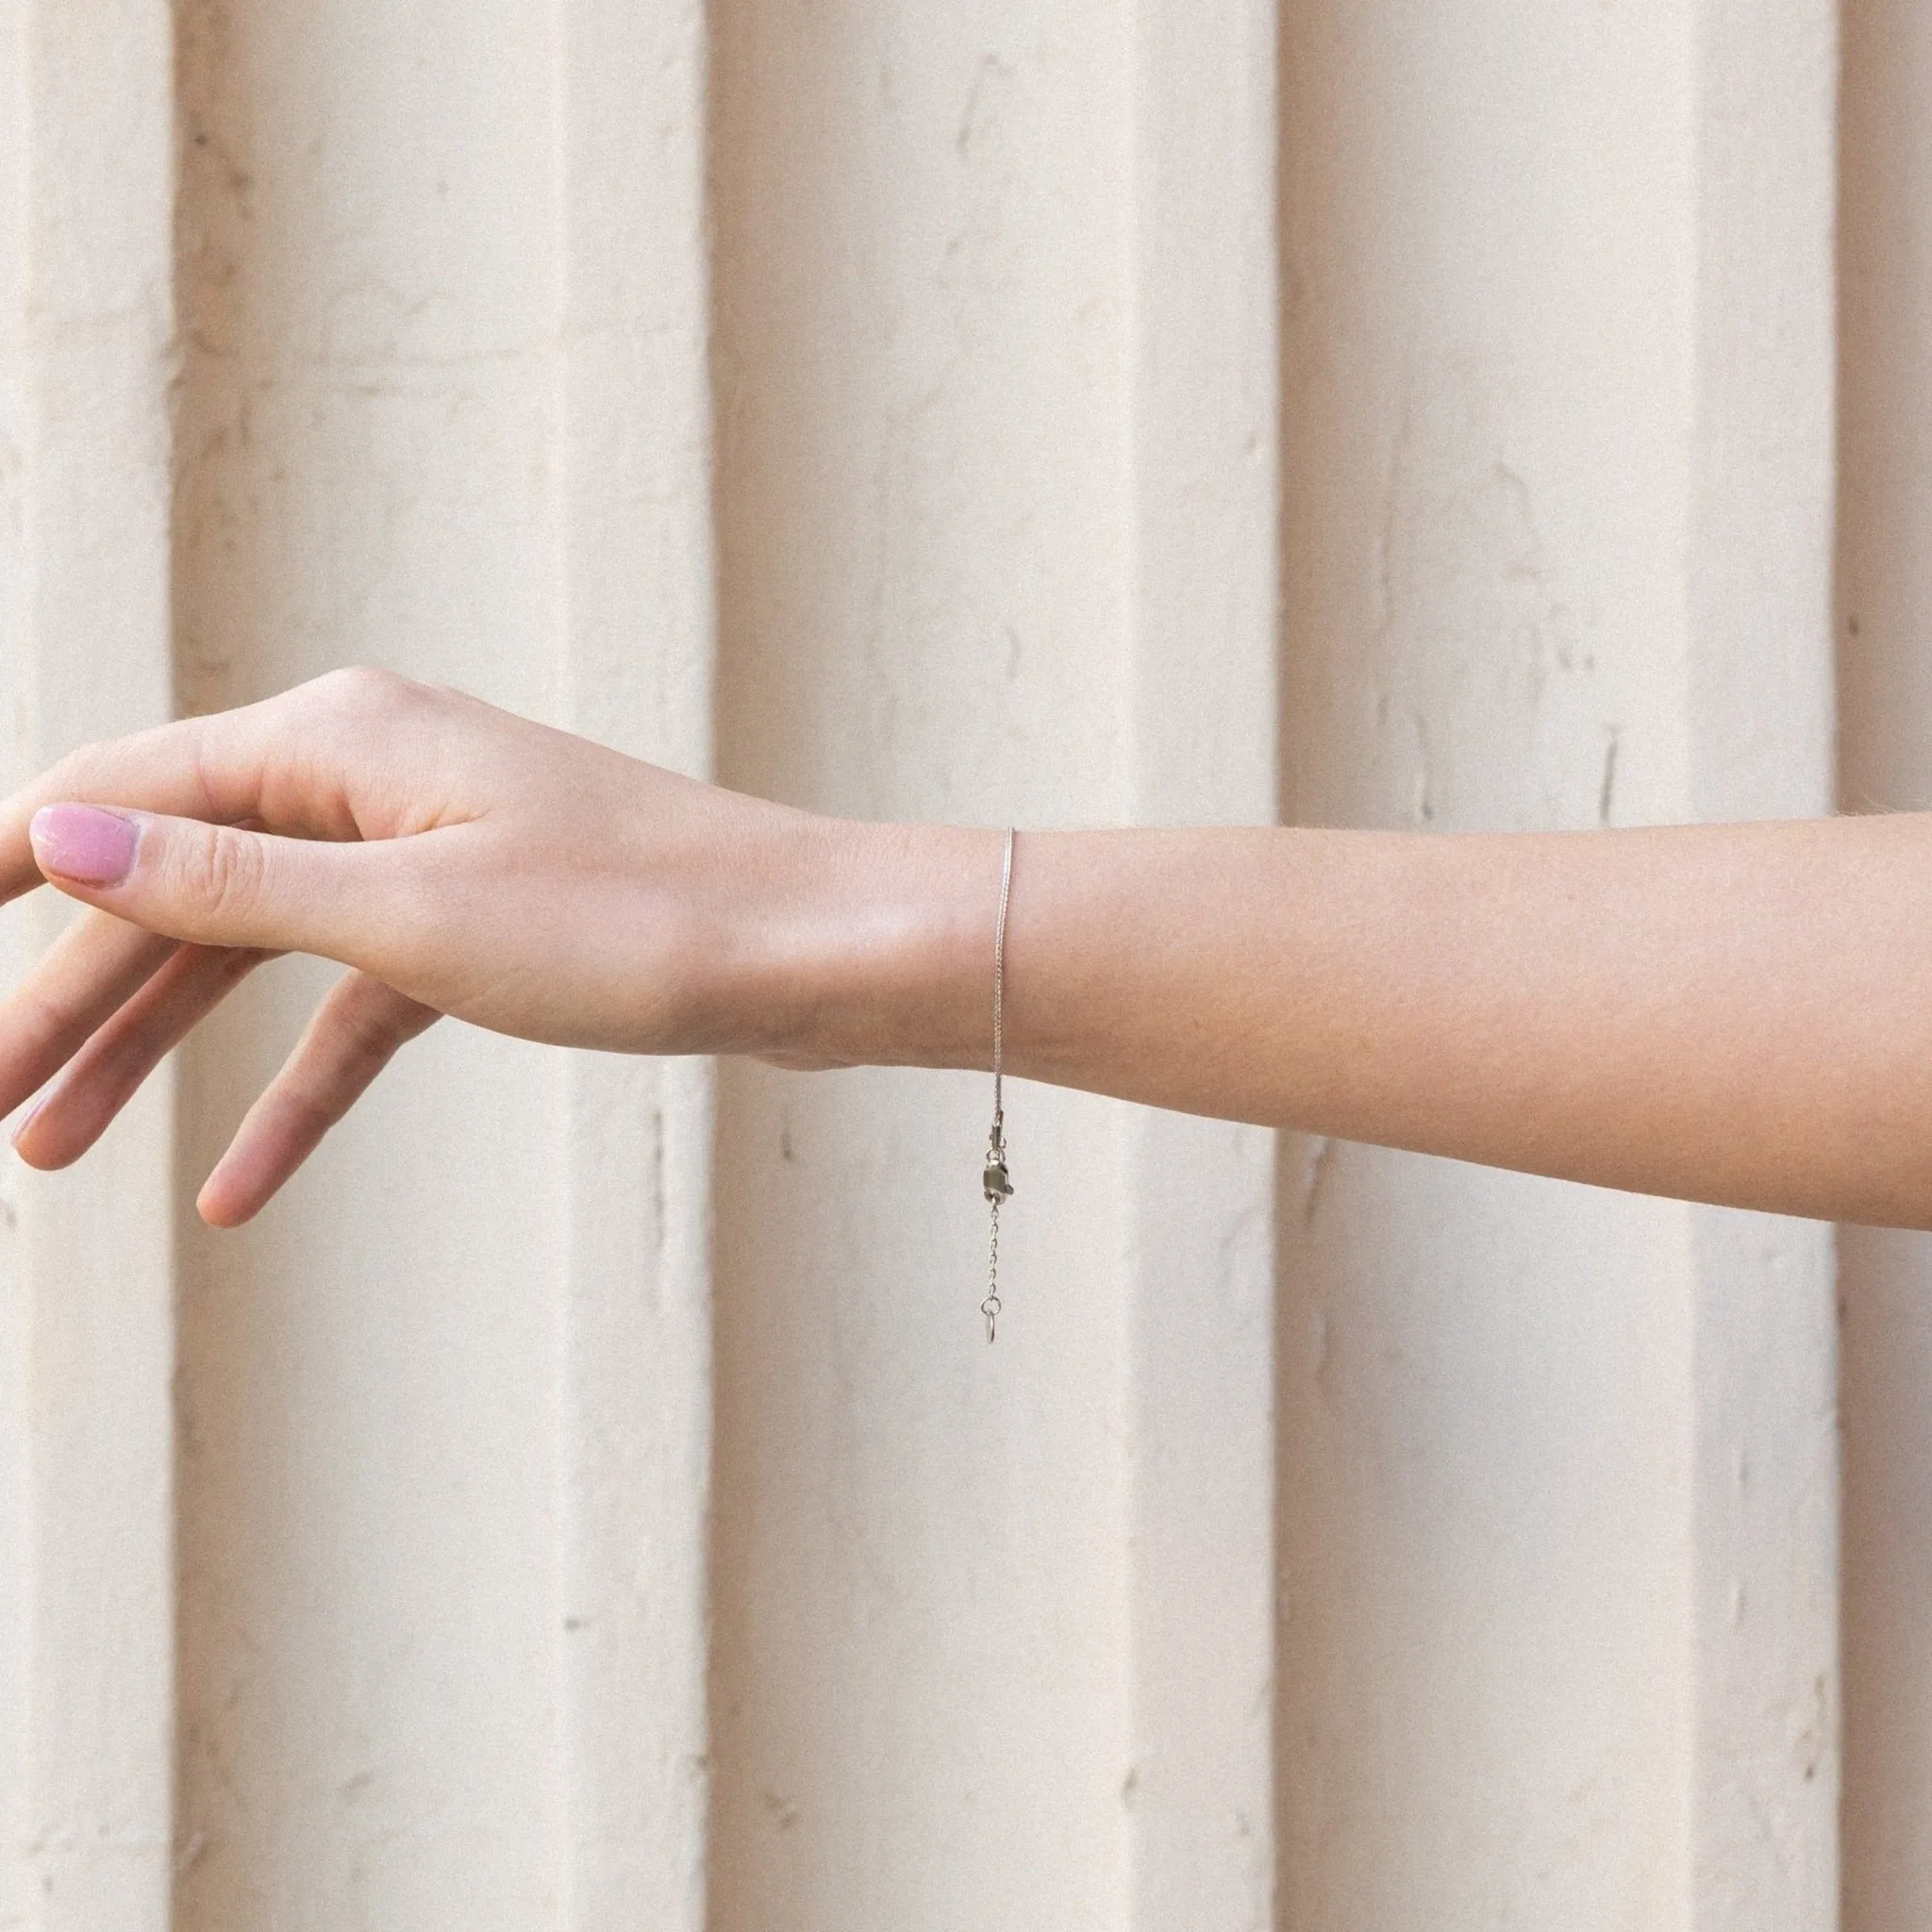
[879,948]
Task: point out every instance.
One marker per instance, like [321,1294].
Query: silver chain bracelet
[998,1187]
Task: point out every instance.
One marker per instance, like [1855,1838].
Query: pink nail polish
[82,843]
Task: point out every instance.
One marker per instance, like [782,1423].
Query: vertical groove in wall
[1884,747]
[1764,1529]
[89,1281]
[223,630]
[16,423]
[1201,749]
[367,1470]
[1481,1393]
[919,1678]
[636,600]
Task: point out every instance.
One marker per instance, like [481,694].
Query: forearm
[1735,1013]
[1732,1013]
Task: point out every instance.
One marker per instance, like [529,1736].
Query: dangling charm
[998,1188]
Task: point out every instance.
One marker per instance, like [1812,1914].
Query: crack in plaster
[1318,1170]
[1475,650]
[994,71]
[659,1214]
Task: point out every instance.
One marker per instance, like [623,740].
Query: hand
[459,859]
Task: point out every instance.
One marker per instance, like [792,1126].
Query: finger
[220,885]
[107,1073]
[83,978]
[321,761]
[354,1034]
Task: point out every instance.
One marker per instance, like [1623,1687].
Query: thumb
[216,885]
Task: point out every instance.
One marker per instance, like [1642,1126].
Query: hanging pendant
[994,1182]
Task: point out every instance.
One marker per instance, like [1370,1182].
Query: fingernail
[27,1120]
[77,842]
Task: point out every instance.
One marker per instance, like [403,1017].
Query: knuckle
[73,770]
[312,1106]
[46,1016]
[362,710]
[368,1034]
[360,692]
[224,873]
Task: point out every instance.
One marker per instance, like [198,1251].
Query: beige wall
[1884,679]
[584,1499]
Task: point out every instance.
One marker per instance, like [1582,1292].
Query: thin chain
[999,979]
[990,1308]
[997,1187]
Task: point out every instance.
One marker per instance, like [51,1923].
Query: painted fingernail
[78,843]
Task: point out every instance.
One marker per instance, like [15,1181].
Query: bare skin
[1732,1013]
